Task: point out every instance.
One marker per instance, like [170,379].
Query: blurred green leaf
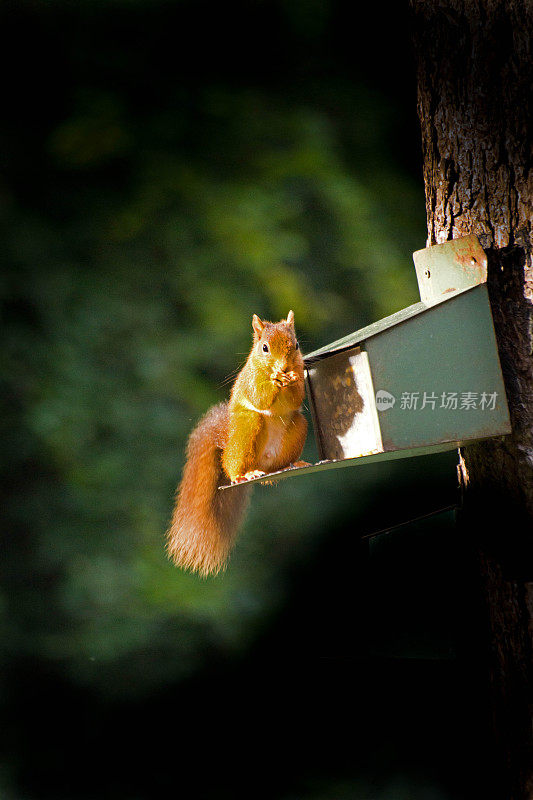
[133,278]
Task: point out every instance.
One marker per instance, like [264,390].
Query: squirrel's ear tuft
[258,326]
[290,318]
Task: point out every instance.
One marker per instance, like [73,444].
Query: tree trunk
[474,66]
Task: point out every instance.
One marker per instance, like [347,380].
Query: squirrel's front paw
[281,379]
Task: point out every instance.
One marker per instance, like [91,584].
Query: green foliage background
[140,238]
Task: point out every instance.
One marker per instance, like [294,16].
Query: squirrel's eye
[265,348]
[297,345]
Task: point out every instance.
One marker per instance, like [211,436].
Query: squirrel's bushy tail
[205,521]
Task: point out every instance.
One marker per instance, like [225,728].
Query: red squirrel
[260,430]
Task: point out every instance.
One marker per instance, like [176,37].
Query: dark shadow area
[361,683]
[328,696]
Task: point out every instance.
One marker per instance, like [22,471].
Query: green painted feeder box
[424,380]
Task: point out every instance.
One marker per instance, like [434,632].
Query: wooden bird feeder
[424,380]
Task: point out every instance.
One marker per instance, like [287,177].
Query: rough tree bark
[474,66]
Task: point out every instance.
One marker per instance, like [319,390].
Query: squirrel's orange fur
[260,430]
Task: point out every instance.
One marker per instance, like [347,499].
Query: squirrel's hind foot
[249,476]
